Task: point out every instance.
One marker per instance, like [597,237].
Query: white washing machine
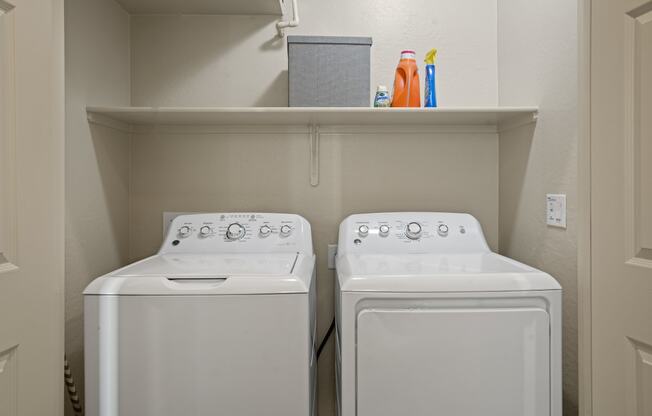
[431,322]
[220,322]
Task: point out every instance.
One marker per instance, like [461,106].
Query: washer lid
[185,264]
[469,272]
[209,274]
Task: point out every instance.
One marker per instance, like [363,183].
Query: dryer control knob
[413,231]
[442,230]
[383,230]
[184,231]
[363,231]
[265,230]
[286,230]
[235,231]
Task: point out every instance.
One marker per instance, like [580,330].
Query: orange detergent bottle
[406,82]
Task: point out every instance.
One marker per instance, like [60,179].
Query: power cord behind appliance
[326,337]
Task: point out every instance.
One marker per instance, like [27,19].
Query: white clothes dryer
[220,322]
[431,322]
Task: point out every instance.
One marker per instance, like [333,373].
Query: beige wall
[537,55]
[118,187]
[97,158]
[238,61]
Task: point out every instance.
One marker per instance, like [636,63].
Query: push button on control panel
[442,230]
[363,231]
[383,230]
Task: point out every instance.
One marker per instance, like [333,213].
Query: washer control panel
[238,232]
[411,232]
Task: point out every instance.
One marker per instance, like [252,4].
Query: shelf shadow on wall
[203,60]
[276,94]
[515,152]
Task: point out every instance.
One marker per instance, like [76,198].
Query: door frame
[585,376]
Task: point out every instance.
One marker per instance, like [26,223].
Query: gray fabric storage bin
[329,71]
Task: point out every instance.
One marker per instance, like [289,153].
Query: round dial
[265,230]
[235,231]
[363,230]
[286,230]
[413,230]
[383,230]
[205,231]
[442,230]
[184,231]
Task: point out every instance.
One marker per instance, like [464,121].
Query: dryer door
[453,362]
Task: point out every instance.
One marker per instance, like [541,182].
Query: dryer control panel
[238,233]
[411,232]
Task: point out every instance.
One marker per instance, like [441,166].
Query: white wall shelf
[498,117]
[399,120]
[265,7]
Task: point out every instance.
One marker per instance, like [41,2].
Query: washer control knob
[205,231]
[265,230]
[286,230]
[184,231]
[235,231]
[413,231]
[442,230]
[363,231]
[383,230]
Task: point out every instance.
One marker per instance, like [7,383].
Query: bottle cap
[408,55]
[381,88]
[430,57]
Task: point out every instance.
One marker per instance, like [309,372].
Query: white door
[621,207]
[31,207]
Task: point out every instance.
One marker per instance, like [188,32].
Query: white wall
[97,158]
[237,60]
[537,63]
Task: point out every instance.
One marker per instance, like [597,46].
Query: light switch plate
[556,210]
[332,252]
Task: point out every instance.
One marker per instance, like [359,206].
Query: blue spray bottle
[431,94]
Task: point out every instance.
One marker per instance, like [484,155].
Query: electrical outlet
[332,252]
[556,210]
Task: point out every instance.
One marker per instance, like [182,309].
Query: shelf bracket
[282,25]
[109,122]
[518,121]
[314,155]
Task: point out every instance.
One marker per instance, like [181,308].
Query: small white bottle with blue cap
[382,97]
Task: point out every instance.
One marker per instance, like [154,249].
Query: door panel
[31,207]
[638,133]
[7,135]
[621,206]
[8,382]
[640,382]
[643,113]
[457,362]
